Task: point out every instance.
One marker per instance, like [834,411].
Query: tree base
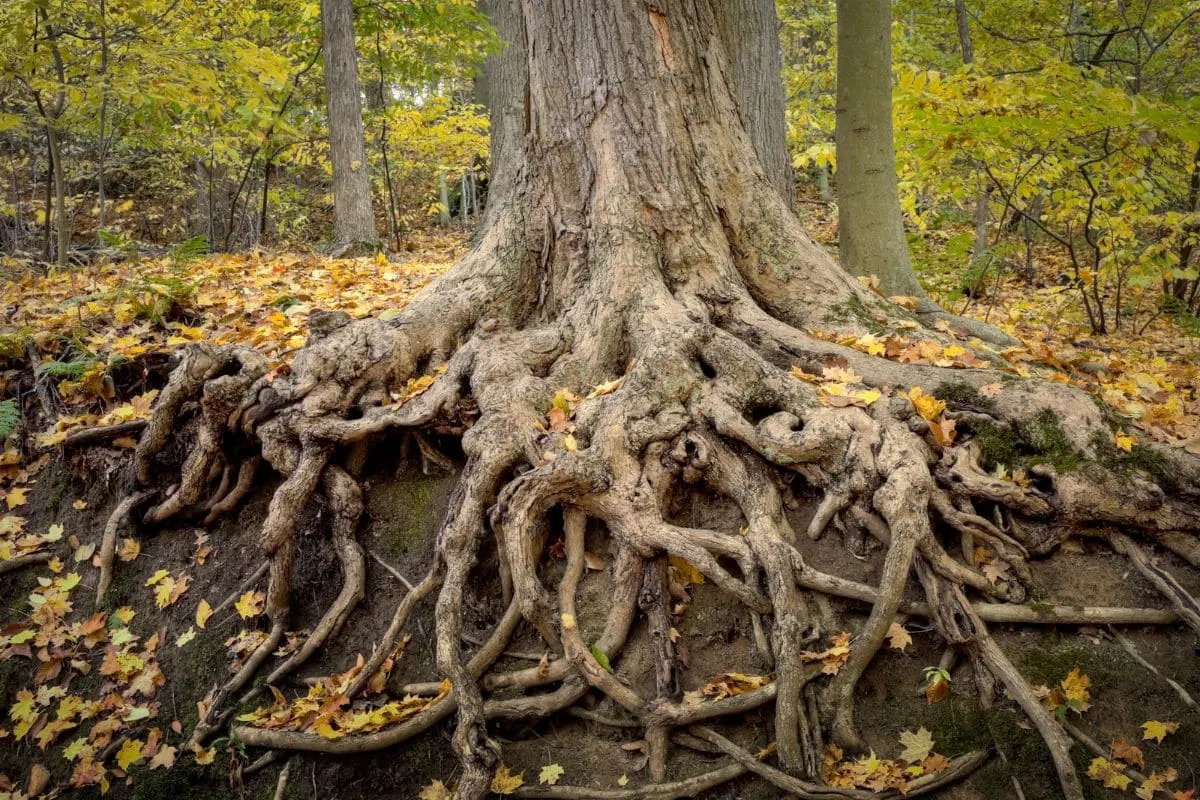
[595,421]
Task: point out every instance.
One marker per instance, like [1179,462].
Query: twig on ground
[1133,651]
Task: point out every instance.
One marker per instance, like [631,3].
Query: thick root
[694,388]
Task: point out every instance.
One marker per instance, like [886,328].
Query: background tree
[870,230]
[353,214]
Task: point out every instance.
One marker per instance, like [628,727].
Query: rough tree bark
[353,216]
[638,246]
[750,34]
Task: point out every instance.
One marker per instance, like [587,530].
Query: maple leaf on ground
[504,782]
[203,612]
[731,684]
[250,604]
[926,405]
[16,497]
[164,758]
[996,570]
[1127,752]
[1158,730]
[129,754]
[550,774]
[204,756]
[1110,773]
[934,764]
[917,746]
[834,657]
[129,549]
[898,636]
[1155,782]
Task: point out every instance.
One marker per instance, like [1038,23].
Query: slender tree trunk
[102,151]
[353,217]
[1183,288]
[262,212]
[444,199]
[871,232]
[963,22]
[60,197]
[979,253]
[49,202]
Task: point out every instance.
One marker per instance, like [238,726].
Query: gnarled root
[692,387]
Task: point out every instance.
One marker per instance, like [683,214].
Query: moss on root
[1040,441]
[962,395]
[1138,459]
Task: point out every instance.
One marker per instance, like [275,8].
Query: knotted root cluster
[695,392]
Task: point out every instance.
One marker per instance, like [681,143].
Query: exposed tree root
[28,560]
[958,769]
[679,334]
[108,543]
[1181,599]
[1128,646]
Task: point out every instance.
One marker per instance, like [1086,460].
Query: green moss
[1139,459]
[959,726]
[1046,437]
[997,444]
[852,308]
[408,510]
[1041,441]
[55,497]
[1052,659]
[960,394]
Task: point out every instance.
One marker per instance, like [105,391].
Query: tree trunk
[963,23]
[353,217]
[871,238]
[624,331]
[444,199]
[504,89]
[749,31]
[48,205]
[63,225]
[102,140]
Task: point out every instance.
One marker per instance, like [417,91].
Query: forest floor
[103,698]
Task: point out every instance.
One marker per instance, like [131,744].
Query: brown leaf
[937,690]
[1127,752]
[898,636]
[39,779]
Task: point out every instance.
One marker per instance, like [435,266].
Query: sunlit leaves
[1072,693]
